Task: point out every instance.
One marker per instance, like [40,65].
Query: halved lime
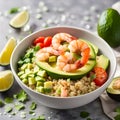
[7,51]
[20,19]
[6,80]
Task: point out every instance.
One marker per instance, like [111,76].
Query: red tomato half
[47,41]
[38,40]
[40,44]
[101,76]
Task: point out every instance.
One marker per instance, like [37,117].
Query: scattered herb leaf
[19,106]
[1,103]
[31,112]
[41,117]
[8,99]
[21,96]
[117,109]
[84,114]
[117,117]
[13,10]
[8,109]
[33,106]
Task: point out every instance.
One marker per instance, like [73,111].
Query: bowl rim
[56,97]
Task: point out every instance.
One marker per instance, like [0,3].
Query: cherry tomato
[101,76]
[40,44]
[47,41]
[38,40]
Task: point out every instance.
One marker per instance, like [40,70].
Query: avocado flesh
[102,61]
[113,93]
[54,72]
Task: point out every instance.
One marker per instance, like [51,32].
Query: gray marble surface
[79,13]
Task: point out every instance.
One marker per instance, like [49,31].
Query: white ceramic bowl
[69,102]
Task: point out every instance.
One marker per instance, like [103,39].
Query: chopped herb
[21,96]
[41,117]
[117,109]
[19,107]
[1,103]
[33,106]
[117,117]
[84,114]
[8,109]
[13,10]
[31,112]
[8,99]
[36,48]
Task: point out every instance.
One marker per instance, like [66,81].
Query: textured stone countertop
[48,13]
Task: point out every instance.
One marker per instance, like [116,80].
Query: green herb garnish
[8,99]
[117,117]
[33,106]
[117,110]
[8,109]
[13,10]
[1,103]
[84,114]
[19,106]
[21,96]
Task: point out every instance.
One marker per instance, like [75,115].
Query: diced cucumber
[31,81]
[31,75]
[23,76]
[24,66]
[47,90]
[42,73]
[48,84]
[52,59]
[36,69]
[39,83]
[25,81]
[40,79]
[40,89]
[20,73]
[29,65]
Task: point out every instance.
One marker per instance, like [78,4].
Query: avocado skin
[115,97]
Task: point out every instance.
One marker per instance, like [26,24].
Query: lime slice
[7,51]
[6,80]
[20,19]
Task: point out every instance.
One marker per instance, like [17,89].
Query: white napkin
[108,104]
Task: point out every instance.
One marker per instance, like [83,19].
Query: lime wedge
[7,51]
[20,19]
[6,80]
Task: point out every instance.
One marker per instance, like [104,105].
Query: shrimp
[116,84]
[81,48]
[67,63]
[59,38]
[64,92]
[44,53]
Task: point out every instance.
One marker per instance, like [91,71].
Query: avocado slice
[102,61]
[112,92]
[54,72]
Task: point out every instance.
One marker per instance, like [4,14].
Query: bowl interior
[77,32]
